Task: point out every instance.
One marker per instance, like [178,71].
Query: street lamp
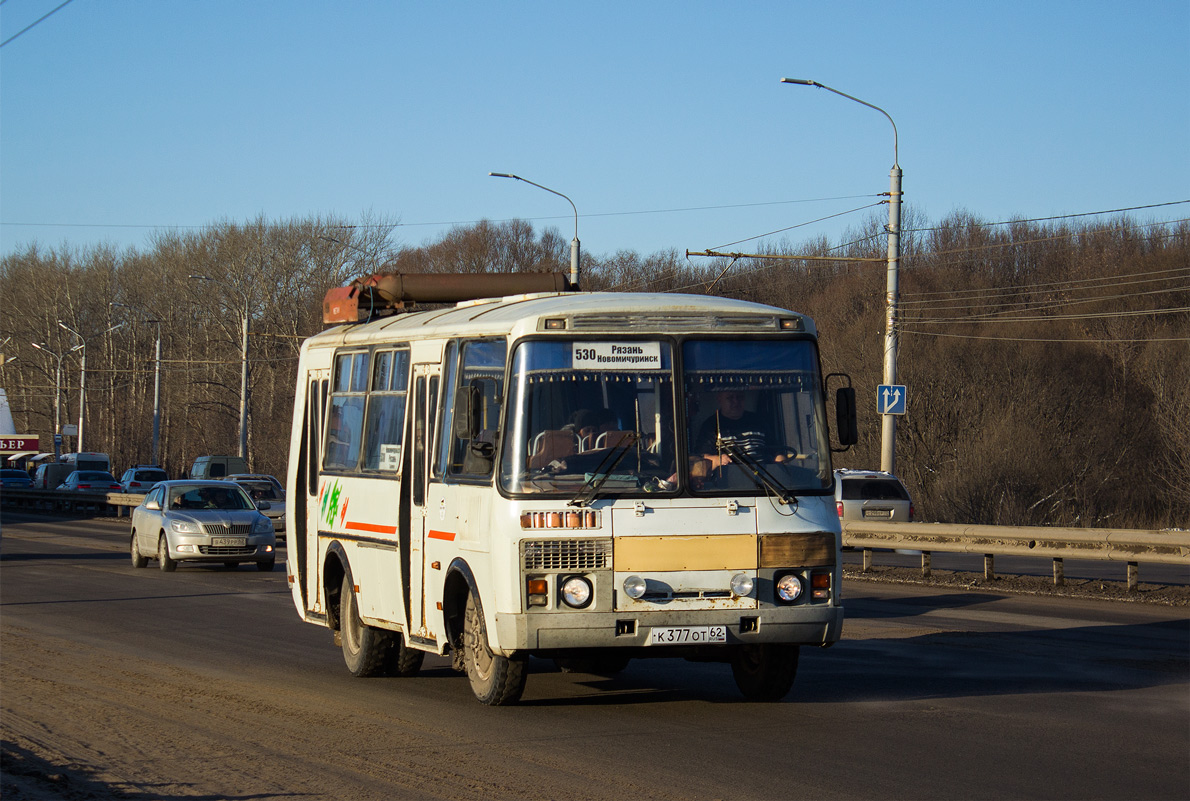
[243,372]
[888,428]
[57,393]
[574,244]
[156,388]
[83,377]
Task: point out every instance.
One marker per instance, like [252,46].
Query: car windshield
[590,418]
[260,490]
[754,416]
[149,475]
[190,497]
[873,489]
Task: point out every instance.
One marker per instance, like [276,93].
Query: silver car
[201,521]
[872,495]
[262,490]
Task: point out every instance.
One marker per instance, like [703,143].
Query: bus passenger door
[426,379]
[305,541]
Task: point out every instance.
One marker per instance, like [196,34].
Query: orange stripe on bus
[442,535]
[371,527]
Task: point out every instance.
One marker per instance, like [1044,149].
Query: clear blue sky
[118,117]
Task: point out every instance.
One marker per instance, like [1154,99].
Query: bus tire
[138,559]
[765,671]
[364,647]
[402,660]
[495,680]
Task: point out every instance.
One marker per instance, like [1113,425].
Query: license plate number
[229,542]
[683,635]
[878,513]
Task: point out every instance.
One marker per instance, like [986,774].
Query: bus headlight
[741,585]
[576,592]
[789,588]
[634,587]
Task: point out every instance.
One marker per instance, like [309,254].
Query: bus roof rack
[384,293]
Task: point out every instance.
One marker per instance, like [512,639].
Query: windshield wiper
[590,488]
[756,471]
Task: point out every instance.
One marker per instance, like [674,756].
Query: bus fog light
[576,592]
[634,587]
[789,588]
[741,585]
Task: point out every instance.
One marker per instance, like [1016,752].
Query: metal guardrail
[107,503]
[1131,546]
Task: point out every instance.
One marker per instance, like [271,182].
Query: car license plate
[228,542]
[885,513]
[686,635]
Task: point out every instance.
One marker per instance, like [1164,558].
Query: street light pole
[83,378]
[888,427]
[156,388]
[57,393]
[574,243]
[244,325]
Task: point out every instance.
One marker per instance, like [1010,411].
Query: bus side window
[345,423]
[478,396]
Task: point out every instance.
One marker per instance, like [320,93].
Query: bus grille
[565,555]
[218,530]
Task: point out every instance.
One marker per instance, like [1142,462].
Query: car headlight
[263,526]
[634,587]
[741,585]
[789,588]
[576,592]
[185,527]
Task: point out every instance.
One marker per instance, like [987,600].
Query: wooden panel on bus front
[682,552]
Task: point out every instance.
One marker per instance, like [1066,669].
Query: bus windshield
[754,416]
[590,418]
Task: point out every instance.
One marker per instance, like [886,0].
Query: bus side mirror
[475,408]
[845,418]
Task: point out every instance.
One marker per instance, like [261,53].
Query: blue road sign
[890,399]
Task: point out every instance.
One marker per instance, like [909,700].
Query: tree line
[1048,363]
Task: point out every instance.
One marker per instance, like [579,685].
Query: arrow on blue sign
[890,399]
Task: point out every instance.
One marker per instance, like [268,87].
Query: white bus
[583,477]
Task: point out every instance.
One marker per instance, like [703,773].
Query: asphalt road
[116,682]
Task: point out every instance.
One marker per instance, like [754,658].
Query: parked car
[15,478]
[140,479]
[872,495]
[201,521]
[260,489]
[91,481]
[217,466]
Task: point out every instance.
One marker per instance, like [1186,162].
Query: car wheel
[166,564]
[364,648]
[267,567]
[495,680]
[138,560]
[765,672]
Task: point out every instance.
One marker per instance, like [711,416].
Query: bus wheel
[764,672]
[138,559]
[364,647]
[402,660]
[495,680]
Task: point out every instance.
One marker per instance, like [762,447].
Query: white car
[872,495]
[201,521]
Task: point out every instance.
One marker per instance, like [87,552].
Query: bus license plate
[687,635]
[228,542]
